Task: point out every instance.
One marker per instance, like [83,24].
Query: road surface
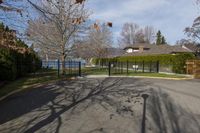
[104,105]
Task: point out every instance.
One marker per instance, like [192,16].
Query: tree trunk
[47,57]
[47,61]
[63,63]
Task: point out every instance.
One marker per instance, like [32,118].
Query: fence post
[121,67]
[158,66]
[58,67]
[109,68]
[127,67]
[135,66]
[48,64]
[69,67]
[150,66]
[143,66]
[79,68]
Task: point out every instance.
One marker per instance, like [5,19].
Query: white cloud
[170,16]
[119,9]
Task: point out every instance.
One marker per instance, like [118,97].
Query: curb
[147,77]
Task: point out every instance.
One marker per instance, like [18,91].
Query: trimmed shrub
[176,61]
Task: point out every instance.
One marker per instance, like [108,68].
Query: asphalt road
[105,105]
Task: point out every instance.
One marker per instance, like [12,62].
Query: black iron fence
[132,67]
[67,68]
[75,68]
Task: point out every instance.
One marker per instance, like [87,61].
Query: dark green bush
[7,65]
[15,63]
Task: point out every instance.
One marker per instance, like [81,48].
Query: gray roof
[137,45]
[192,47]
[115,52]
[158,49]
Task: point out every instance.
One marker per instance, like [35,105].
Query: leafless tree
[132,33]
[16,11]
[139,36]
[58,26]
[128,34]
[45,36]
[96,43]
[83,50]
[99,40]
[194,30]
[184,41]
[149,34]
[7,7]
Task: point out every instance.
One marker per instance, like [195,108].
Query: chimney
[141,49]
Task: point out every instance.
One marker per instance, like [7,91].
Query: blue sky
[169,16]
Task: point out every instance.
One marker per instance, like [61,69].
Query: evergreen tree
[163,40]
[7,29]
[2,26]
[159,38]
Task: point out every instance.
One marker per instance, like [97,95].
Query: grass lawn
[94,71]
[42,76]
[45,76]
[157,75]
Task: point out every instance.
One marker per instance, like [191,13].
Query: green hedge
[7,65]
[14,64]
[177,61]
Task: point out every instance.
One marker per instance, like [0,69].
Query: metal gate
[71,67]
[132,67]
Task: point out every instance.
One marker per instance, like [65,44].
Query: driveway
[105,105]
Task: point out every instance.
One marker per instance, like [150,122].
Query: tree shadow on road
[73,96]
[165,116]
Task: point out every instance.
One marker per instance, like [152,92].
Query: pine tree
[163,40]
[2,26]
[7,29]
[159,38]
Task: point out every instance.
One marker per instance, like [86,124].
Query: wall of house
[130,50]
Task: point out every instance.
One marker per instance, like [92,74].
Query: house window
[130,50]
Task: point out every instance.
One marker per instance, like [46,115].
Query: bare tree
[59,24]
[45,36]
[84,51]
[184,41]
[99,40]
[149,34]
[95,44]
[131,33]
[194,30]
[16,11]
[7,7]
[139,36]
[128,34]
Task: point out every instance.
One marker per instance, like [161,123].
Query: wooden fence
[193,67]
